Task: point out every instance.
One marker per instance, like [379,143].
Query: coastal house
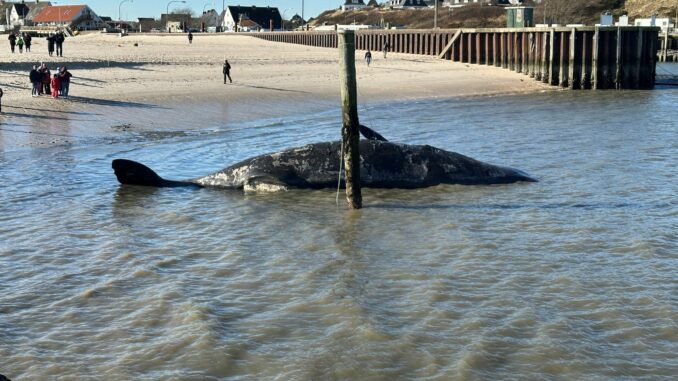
[35,9]
[19,13]
[76,17]
[662,22]
[5,11]
[107,20]
[350,5]
[251,18]
[407,4]
[175,22]
[146,24]
[461,3]
[210,21]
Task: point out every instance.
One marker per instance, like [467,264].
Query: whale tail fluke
[133,173]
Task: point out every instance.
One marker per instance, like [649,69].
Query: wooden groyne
[571,57]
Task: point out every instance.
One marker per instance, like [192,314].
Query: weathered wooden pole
[572,59]
[350,131]
[618,60]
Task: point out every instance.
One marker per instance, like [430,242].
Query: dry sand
[164,75]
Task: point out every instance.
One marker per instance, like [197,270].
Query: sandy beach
[164,72]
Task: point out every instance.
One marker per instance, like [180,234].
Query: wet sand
[165,73]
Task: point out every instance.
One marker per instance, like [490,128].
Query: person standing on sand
[386,48]
[59,39]
[65,77]
[190,37]
[227,72]
[12,41]
[46,78]
[28,40]
[56,85]
[368,57]
[50,44]
[36,81]
[20,43]
[1,101]
[40,75]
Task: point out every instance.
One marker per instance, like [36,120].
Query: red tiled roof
[58,13]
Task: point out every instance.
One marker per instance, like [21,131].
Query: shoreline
[126,84]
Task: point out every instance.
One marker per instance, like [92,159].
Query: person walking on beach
[386,48]
[1,101]
[65,77]
[190,37]
[28,40]
[56,85]
[368,57]
[50,44]
[12,41]
[227,72]
[36,81]
[59,39]
[20,44]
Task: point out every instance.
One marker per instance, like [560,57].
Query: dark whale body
[315,166]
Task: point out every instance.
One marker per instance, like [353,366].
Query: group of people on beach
[20,41]
[45,83]
[24,39]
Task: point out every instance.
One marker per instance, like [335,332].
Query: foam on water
[569,278]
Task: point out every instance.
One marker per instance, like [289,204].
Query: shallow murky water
[570,278]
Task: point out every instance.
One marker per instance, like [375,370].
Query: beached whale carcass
[382,165]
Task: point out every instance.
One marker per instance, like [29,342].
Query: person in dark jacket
[65,77]
[59,40]
[36,81]
[1,93]
[46,79]
[50,44]
[368,57]
[385,49]
[12,41]
[28,41]
[227,72]
[190,37]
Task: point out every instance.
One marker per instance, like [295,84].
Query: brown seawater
[570,278]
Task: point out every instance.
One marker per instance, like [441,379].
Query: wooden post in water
[350,131]
[618,60]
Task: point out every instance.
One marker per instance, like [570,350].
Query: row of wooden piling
[571,57]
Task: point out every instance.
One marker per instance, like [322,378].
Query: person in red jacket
[56,85]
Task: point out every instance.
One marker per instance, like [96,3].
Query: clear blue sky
[153,8]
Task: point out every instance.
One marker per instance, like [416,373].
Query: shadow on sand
[53,111]
[112,103]
[33,116]
[270,88]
